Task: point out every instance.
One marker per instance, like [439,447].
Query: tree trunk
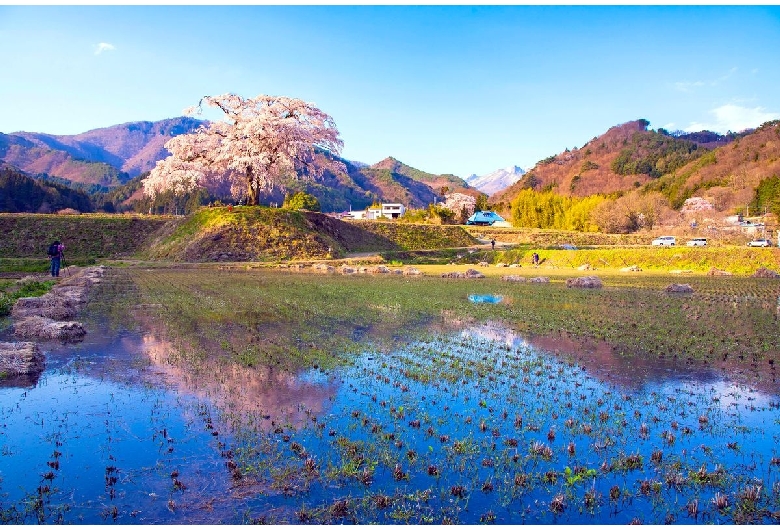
[251,191]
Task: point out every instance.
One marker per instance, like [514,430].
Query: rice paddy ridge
[85,235]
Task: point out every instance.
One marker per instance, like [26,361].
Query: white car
[663,241]
[697,242]
[760,243]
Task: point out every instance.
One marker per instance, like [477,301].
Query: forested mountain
[21,193]
[434,181]
[632,178]
[106,157]
[728,176]
[628,157]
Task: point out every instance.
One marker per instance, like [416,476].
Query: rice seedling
[394,414]
[558,504]
[720,501]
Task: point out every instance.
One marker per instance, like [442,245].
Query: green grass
[33,265]
[10,291]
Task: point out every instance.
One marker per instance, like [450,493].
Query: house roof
[485,217]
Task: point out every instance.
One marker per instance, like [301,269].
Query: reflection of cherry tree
[262,141]
[263,393]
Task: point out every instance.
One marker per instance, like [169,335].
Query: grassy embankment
[87,238]
[274,235]
[269,236]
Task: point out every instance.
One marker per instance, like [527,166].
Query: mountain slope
[21,193]
[34,158]
[496,181]
[435,182]
[132,148]
[360,186]
[626,157]
[729,175]
[389,180]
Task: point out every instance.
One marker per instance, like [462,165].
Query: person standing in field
[55,252]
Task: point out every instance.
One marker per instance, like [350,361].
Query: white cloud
[722,78]
[687,86]
[734,118]
[104,47]
[690,86]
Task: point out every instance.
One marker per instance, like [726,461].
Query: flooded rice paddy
[481,425]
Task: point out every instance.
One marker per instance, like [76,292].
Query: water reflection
[270,394]
[485,298]
[20,380]
[631,372]
[485,409]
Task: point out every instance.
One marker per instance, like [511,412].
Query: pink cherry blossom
[261,142]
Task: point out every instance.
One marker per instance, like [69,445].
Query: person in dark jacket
[55,252]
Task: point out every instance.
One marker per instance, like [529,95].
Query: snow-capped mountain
[497,180]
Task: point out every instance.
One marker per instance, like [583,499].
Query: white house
[392,210]
[386,210]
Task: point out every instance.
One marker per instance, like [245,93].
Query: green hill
[271,234]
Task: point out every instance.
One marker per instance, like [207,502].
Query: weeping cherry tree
[261,142]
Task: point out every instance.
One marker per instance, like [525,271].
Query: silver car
[760,243]
[697,242]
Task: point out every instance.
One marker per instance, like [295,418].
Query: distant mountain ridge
[725,169]
[496,181]
[389,180]
[106,157]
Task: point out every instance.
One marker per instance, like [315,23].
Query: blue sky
[446,89]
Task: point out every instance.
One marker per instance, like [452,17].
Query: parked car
[662,241]
[697,242]
[760,243]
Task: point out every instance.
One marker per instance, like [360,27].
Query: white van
[663,241]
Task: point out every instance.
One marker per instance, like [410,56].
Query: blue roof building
[484,219]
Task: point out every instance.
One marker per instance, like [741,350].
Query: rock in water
[20,358]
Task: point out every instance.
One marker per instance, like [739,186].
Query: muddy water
[475,426]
